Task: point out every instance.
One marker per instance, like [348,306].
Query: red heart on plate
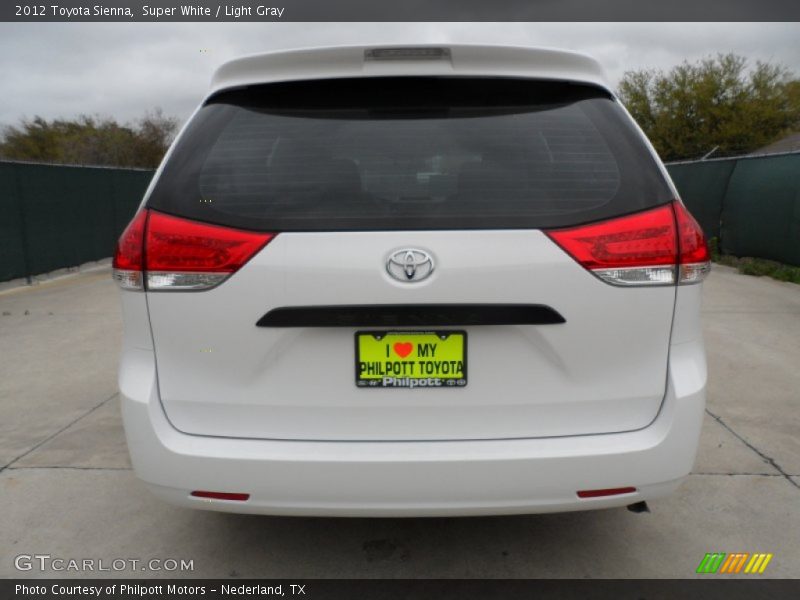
[403,349]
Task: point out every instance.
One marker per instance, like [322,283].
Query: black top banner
[402,10]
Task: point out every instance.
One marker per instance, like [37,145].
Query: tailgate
[602,370]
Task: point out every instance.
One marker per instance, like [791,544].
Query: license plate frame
[419,375]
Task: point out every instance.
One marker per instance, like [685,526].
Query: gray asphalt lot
[66,488]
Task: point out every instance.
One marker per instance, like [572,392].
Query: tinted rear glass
[409,153]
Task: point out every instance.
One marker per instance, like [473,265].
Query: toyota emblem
[409,265]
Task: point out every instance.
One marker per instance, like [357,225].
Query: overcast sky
[121,70]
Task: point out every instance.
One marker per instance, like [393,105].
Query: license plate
[411,359]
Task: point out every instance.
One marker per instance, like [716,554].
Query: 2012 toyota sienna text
[411,281]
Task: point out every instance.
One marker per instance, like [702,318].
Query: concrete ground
[66,488]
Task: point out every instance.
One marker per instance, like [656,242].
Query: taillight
[186,255]
[129,254]
[646,248]
[695,261]
[180,254]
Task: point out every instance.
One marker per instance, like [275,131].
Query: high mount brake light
[646,248]
[162,252]
[423,53]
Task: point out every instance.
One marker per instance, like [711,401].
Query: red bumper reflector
[221,496]
[608,492]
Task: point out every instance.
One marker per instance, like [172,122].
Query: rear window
[409,153]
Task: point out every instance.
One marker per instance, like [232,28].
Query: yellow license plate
[411,359]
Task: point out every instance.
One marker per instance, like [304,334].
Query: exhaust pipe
[639,507]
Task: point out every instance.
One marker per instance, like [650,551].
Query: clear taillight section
[660,246]
[160,252]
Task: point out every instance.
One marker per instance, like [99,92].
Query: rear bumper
[415,478]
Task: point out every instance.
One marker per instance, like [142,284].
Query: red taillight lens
[130,246]
[638,249]
[175,244]
[180,254]
[643,239]
[691,240]
[128,260]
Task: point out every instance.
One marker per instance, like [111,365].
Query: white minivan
[411,281]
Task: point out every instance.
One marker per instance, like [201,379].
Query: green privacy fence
[751,204]
[54,216]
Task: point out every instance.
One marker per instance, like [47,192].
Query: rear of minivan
[411,281]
